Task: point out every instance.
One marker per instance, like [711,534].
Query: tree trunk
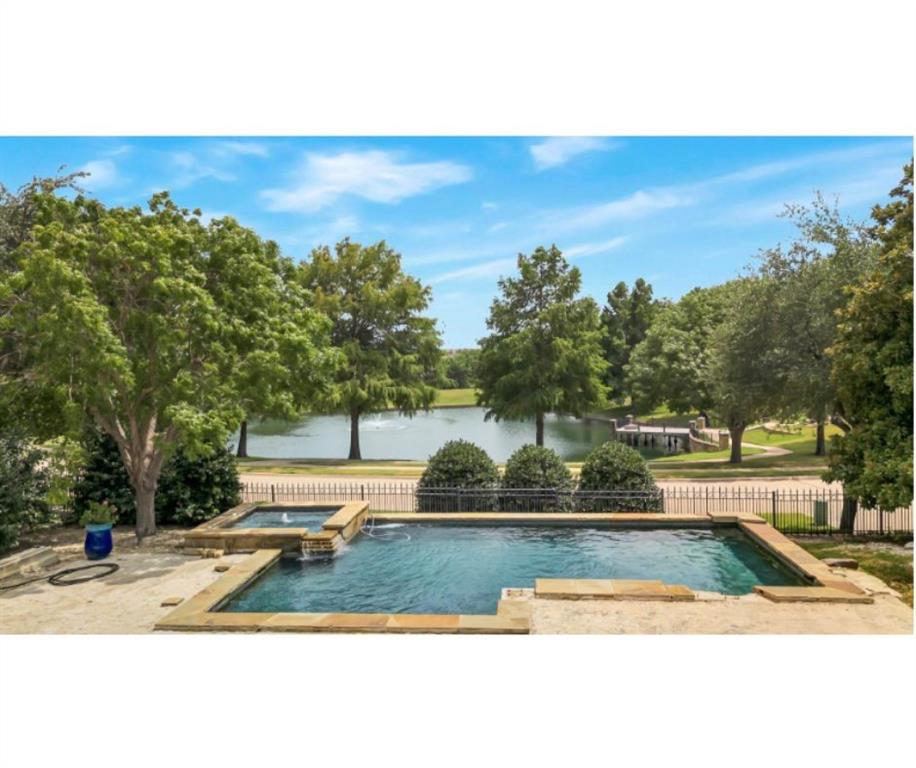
[848,517]
[821,446]
[354,436]
[145,499]
[539,429]
[242,451]
[736,434]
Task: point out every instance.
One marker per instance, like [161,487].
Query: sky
[679,212]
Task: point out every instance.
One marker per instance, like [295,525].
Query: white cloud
[373,175]
[489,206]
[561,149]
[637,205]
[242,148]
[190,169]
[493,268]
[497,226]
[102,173]
[591,249]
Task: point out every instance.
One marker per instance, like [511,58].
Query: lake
[392,436]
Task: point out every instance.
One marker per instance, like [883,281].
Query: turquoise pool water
[287,517]
[458,569]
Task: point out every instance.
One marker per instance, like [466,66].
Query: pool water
[287,517]
[458,569]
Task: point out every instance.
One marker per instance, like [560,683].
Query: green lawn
[455,398]
[893,565]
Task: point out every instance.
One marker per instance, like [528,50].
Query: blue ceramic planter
[98,541]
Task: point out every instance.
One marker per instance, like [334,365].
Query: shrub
[190,491]
[538,468]
[24,486]
[458,464]
[615,467]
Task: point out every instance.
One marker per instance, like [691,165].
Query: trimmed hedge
[539,468]
[190,491]
[613,467]
[458,464]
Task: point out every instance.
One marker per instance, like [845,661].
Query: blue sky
[680,212]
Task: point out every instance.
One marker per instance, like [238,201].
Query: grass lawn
[455,398]
[892,564]
[697,458]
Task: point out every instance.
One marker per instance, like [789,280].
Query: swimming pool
[455,569]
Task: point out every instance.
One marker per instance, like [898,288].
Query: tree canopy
[626,318]
[810,279]
[873,366]
[670,365]
[153,325]
[389,348]
[544,352]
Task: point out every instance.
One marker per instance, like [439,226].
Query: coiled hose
[59,578]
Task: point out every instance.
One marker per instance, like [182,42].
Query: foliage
[24,485]
[536,467]
[35,408]
[99,513]
[461,368]
[873,366]
[741,376]
[810,279]
[389,349]
[458,464]
[157,326]
[626,318]
[543,354]
[614,466]
[669,367]
[191,489]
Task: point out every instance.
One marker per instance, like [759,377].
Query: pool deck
[171,591]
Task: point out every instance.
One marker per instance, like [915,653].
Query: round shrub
[622,477]
[543,471]
[458,464]
[190,491]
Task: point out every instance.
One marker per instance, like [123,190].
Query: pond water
[392,436]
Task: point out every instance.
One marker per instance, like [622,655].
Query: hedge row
[614,477]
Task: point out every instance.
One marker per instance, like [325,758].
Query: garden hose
[58,579]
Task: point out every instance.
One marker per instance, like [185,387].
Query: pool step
[611,589]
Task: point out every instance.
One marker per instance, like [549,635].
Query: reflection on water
[391,436]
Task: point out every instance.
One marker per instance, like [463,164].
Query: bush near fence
[793,512]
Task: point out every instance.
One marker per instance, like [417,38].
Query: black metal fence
[812,511]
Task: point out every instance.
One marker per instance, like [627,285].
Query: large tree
[740,375]
[39,412]
[873,368]
[626,318]
[543,354]
[669,366]
[150,322]
[810,277]
[390,349]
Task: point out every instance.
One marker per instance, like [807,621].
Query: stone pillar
[701,423]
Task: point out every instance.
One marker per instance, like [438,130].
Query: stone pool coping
[219,535]
[200,612]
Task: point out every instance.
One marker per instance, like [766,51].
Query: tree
[37,411]
[626,318]
[739,374]
[461,368]
[810,287]
[152,323]
[873,368]
[669,366]
[544,353]
[389,348]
